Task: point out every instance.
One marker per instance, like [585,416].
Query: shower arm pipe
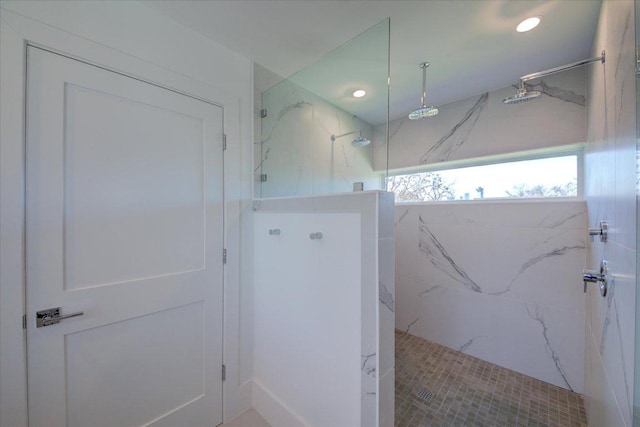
[423,99]
[334,137]
[571,66]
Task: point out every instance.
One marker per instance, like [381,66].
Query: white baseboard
[273,409]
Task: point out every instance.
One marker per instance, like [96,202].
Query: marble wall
[483,126]
[375,210]
[610,192]
[497,280]
[293,146]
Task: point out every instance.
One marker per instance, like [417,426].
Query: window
[542,177]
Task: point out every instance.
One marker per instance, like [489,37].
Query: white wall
[130,37]
[307,314]
[610,191]
[497,280]
[482,125]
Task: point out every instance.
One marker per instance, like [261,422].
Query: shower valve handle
[600,277]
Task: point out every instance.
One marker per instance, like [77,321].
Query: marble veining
[468,344]
[557,92]
[395,127]
[386,298]
[468,285]
[453,140]
[438,256]
[559,222]
[369,364]
[623,365]
[535,260]
[607,316]
[537,316]
[623,36]
[402,217]
[283,112]
[264,159]
[426,291]
[411,324]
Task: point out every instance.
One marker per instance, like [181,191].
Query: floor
[249,418]
[438,387]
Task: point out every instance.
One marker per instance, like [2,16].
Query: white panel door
[124,223]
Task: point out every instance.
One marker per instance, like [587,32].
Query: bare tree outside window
[421,187]
[546,177]
[569,189]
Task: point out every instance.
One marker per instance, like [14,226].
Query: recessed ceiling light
[359,93]
[528,24]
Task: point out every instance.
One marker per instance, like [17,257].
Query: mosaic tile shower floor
[438,387]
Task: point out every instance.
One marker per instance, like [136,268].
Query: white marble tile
[531,264]
[369,401]
[617,338]
[610,176]
[510,294]
[370,306]
[482,125]
[386,296]
[386,214]
[386,404]
[600,403]
[296,152]
[538,341]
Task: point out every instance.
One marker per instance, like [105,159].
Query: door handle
[52,316]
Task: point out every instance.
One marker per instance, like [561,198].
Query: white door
[124,223]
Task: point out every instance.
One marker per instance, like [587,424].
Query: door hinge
[263,177]
[263,113]
[224,373]
[24,321]
[224,141]
[224,256]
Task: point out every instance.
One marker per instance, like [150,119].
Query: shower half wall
[324,310]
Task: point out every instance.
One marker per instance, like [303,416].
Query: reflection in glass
[303,118]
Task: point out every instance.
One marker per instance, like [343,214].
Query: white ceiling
[472,45]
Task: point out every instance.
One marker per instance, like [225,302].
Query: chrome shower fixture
[423,111]
[523,95]
[358,142]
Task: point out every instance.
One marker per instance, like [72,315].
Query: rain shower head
[423,110]
[522,95]
[358,142]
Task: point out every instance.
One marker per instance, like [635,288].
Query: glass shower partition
[636,387]
[315,136]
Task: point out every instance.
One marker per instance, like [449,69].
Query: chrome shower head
[522,95]
[423,110]
[358,142]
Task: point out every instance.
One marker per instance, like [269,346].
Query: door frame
[16,33]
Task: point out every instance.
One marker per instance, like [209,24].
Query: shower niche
[315,134]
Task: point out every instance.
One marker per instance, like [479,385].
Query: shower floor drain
[425,395]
